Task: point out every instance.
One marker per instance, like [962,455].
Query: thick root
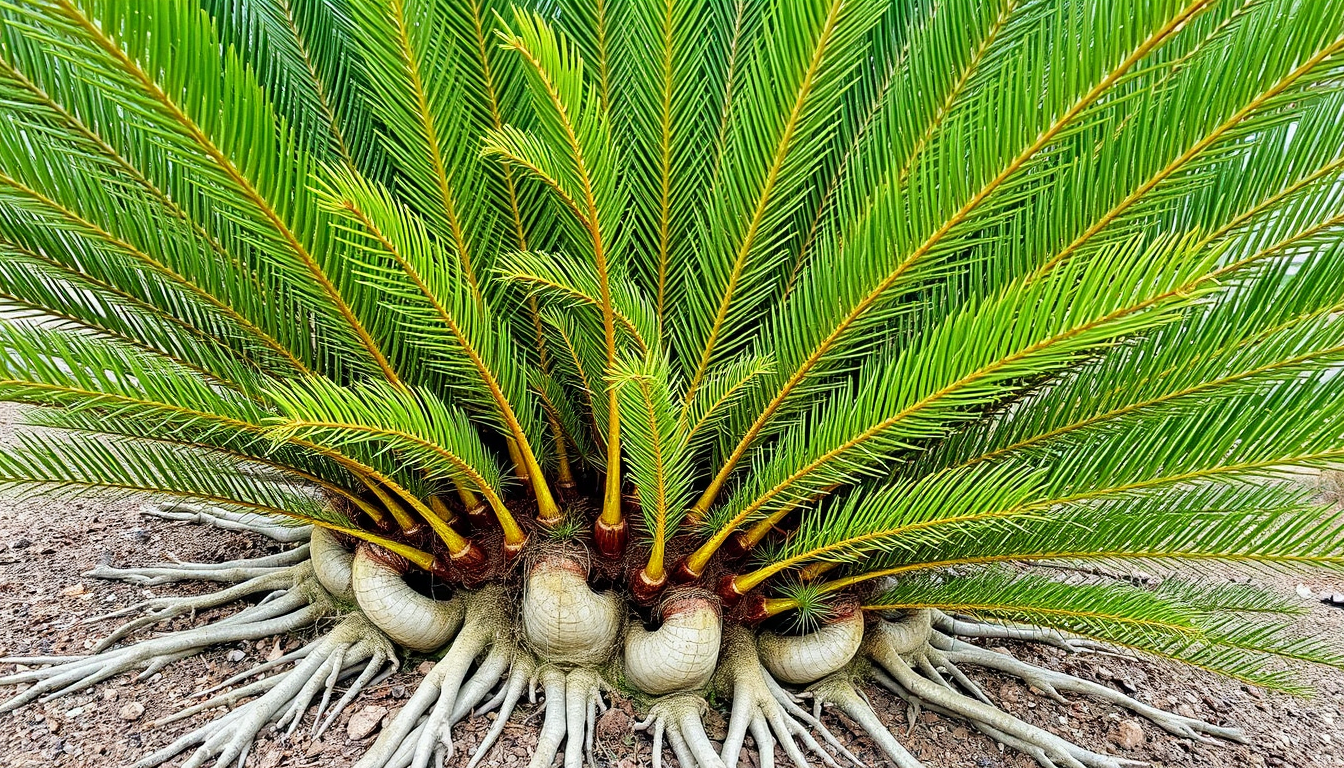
[278,583]
[838,690]
[765,709]
[679,718]
[900,649]
[296,609]
[957,627]
[573,701]
[521,677]
[230,572]
[681,654]
[442,698]
[1052,683]
[574,630]
[353,645]
[228,520]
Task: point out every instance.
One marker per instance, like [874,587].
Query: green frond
[559,401]
[128,466]
[411,59]
[212,152]
[54,368]
[303,53]
[781,119]
[1267,525]
[965,364]
[569,147]
[580,363]
[655,445]
[572,284]
[440,321]
[1123,614]
[37,289]
[414,427]
[918,232]
[664,123]
[1170,623]
[901,516]
[147,396]
[713,402]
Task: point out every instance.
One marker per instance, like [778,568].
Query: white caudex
[682,653]
[677,661]
[562,619]
[802,659]
[332,563]
[572,629]
[411,619]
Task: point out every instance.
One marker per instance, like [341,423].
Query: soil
[47,542]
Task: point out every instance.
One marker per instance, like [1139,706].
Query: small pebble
[131,711]
[364,722]
[236,656]
[1130,734]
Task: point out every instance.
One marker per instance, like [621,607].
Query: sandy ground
[45,544]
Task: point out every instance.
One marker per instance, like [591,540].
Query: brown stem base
[646,590]
[480,517]
[512,550]
[610,540]
[470,560]
[683,574]
[736,547]
[750,610]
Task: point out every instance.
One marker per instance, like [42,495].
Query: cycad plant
[691,346]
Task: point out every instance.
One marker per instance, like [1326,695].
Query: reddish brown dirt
[45,543]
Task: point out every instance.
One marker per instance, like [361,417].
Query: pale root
[803,659]
[207,514]
[681,654]
[763,708]
[412,620]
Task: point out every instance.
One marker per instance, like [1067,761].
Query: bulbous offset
[803,659]
[681,654]
[565,621]
[412,620]
[332,563]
